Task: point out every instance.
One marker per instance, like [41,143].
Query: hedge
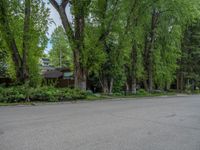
[49,94]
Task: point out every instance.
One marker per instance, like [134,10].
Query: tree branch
[108,28]
[26,36]
[8,35]
[64,18]
[55,4]
[64,3]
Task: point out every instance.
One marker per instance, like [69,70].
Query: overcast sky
[57,22]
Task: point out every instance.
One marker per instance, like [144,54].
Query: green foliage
[61,54]
[93,51]
[142,92]
[13,94]
[190,57]
[111,41]
[55,94]
[38,27]
[45,94]
[3,57]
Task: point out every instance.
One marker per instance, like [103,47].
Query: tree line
[117,43]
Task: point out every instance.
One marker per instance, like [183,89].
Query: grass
[15,104]
[93,97]
[103,96]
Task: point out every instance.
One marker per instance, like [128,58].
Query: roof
[53,74]
[45,59]
[47,67]
[64,69]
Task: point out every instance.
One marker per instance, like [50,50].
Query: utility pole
[60,59]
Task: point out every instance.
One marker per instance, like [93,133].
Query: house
[61,77]
[45,65]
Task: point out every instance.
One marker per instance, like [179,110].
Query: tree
[75,35]
[23,25]
[107,20]
[189,72]
[165,19]
[3,57]
[61,54]
[20,62]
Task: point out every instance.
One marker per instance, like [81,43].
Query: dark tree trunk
[180,81]
[111,86]
[104,83]
[145,56]
[134,89]
[149,47]
[145,85]
[133,69]
[76,38]
[80,71]
[182,84]
[10,40]
[177,83]
[26,40]
[130,83]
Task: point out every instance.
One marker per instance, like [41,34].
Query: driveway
[134,124]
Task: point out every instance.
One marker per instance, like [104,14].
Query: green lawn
[94,97]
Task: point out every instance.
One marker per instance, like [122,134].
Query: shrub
[13,94]
[142,92]
[49,94]
[73,94]
[118,94]
[1,94]
[45,94]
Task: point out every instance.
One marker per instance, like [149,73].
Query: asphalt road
[142,124]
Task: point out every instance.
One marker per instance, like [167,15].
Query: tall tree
[61,54]
[108,19]
[189,71]
[23,25]
[20,62]
[75,34]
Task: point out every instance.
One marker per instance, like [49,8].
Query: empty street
[162,123]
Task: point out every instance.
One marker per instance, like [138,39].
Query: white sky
[57,22]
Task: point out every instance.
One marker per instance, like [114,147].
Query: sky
[55,17]
[57,22]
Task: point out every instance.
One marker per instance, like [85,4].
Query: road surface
[137,124]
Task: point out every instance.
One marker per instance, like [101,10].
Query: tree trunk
[181,82]
[79,73]
[133,68]
[178,82]
[76,38]
[145,56]
[149,47]
[134,86]
[26,40]
[105,86]
[150,76]
[130,84]
[111,86]
[20,63]
[145,85]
